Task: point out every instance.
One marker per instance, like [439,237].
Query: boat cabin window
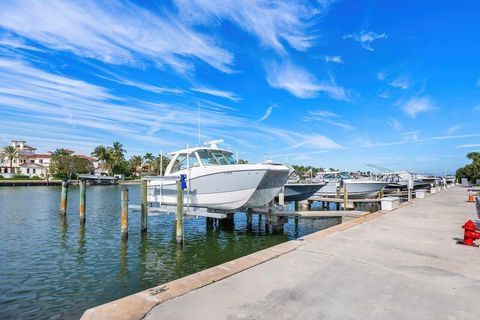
[181,163]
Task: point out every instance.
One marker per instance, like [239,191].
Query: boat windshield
[215,158]
[342,175]
[183,162]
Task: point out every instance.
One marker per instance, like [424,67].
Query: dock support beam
[249,218]
[143,206]
[64,196]
[179,216]
[345,196]
[124,214]
[281,196]
[83,200]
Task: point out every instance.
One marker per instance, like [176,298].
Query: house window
[28,170]
[32,161]
[33,170]
[41,160]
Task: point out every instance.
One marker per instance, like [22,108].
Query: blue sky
[341,83]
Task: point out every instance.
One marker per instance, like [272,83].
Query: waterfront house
[32,164]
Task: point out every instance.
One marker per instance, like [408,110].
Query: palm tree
[160,164]
[149,158]
[117,151]
[104,155]
[62,152]
[11,153]
[136,163]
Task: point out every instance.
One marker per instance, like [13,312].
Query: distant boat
[301,191]
[216,181]
[431,179]
[356,188]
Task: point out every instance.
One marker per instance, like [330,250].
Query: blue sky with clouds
[342,83]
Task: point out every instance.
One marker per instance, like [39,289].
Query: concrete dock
[404,264]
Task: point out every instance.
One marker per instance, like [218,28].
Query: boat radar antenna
[213,143]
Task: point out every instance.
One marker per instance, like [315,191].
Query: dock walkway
[401,265]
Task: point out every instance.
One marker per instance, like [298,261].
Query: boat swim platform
[401,264]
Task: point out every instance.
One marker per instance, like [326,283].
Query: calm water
[51,268]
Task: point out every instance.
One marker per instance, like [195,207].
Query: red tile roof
[36,156]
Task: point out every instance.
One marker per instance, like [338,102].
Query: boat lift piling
[82,201]
[64,197]
[124,214]
[179,214]
[143,206]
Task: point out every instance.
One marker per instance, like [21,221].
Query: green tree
[470,171]
[68,166]
[159,165]
[150,161]
[104,155]
[11,153]
[241,161]
[135,164]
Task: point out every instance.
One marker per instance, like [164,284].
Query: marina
[239,160]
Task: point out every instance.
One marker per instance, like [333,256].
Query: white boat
[301,191]
[433,180]
[356,188]
[216,181]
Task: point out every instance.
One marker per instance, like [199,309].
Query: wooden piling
[179,216]
[83,200]
[124,214]
[249,217]
[143,206]
[345,196]
[64,196]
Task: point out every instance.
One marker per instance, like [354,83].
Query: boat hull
[356,189]
[301,191]
[269,187]
[226,188]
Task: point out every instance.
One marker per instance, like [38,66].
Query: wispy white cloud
[468,145]
[411,135]
[8,40]
[218,93]
[329,118]
[336,59]
[302,84]
[272,22]
[267,114]
[453,129]
[112,32]
[395,124]
[315,141]
[402,82]
[415,106]
[366,38]
[54,105]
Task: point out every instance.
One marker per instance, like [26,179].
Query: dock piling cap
[470,226]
